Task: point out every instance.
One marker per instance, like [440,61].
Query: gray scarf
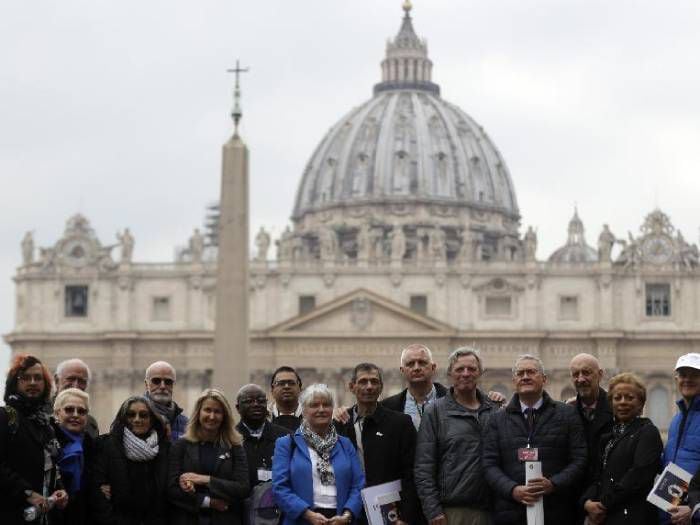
[323,447]
[137,449]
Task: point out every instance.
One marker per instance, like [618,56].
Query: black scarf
[38,413]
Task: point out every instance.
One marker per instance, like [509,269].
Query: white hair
[60,368]
[157,364]
[313,391]
[66,394]
[530,357]
[416,346]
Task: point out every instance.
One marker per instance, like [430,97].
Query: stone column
[231,329]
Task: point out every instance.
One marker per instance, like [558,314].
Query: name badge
[264,475]
[528,454]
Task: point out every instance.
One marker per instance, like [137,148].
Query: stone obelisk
[231,331]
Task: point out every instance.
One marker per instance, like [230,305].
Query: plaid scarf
[323,447]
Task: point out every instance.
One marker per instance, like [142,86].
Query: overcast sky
[118,110]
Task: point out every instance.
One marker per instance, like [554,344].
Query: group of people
[458,452]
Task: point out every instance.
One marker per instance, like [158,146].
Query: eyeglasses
[158,380]
[75,380]
[70,410]
[142,414]
[526,372]
[29,378]
[285,382]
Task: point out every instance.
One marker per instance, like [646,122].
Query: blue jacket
[292,483]
[684,452]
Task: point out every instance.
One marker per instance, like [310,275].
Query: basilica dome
[406,145]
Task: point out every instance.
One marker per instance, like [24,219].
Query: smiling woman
[208,471]
[131,468]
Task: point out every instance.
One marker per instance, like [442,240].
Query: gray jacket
[448,471]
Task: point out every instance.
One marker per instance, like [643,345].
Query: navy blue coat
[292,482]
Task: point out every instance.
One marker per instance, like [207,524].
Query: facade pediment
[360,313]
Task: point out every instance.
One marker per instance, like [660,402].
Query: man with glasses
[418,367]
[160,381]
[683,445]
[534,428]
[286,388]
[259,435]
[75,373]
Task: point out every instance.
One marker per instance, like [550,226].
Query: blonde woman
[71,408]
[208,474]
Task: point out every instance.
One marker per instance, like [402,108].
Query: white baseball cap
[691,360]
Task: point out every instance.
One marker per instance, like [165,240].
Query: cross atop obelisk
[237,113]
[231,340]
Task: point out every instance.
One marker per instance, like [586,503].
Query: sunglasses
[70,410]
[143,414]
[158,380]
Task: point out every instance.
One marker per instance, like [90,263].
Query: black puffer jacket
[558,436]
[622,486]
[448,470]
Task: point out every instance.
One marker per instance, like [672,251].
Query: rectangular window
[498,306]
[76,301]
[568,307]
[161,309]
[419,304]
[658,302]
[306,303]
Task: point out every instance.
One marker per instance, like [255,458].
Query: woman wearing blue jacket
[316,474]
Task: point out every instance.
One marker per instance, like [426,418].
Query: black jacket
[593,430]
[623,484]
[397,402]
[22,445]
[138,488]
[448,467]
[229,481]
[558,436]
[79,504]
[259,451]
[389,447]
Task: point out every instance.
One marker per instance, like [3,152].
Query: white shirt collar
[536,406]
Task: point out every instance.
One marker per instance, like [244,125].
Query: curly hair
[21,363]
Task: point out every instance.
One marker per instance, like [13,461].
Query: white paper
[535,513]
[670,487]
[377,496]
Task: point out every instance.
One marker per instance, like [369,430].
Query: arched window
[567,392]
[659,410]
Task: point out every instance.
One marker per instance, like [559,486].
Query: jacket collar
[694,405]
[300,443]
[514,404]
[453,405]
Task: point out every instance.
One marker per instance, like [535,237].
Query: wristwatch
[347,515]
[28,492]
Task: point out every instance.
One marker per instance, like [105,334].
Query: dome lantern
[406,65]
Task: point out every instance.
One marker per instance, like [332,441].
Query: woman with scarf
[630,459]
[316,474]
[208,473]
[71,408]
[130,473]
[28,447]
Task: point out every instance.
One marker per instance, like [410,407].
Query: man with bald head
[160,382]
[259,435]
[591,403]
[75,373]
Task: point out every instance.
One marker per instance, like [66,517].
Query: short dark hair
[284,368]
[120,420]
[366,367]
